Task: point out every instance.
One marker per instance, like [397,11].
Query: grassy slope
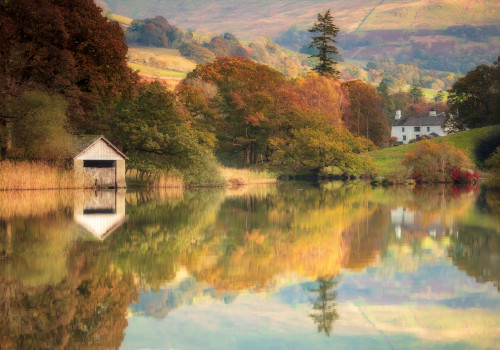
[272,17]
[388,159]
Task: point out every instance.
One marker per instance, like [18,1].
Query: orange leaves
[320,95]
[256,119]
[434,162]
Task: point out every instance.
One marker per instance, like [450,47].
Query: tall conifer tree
[324,42]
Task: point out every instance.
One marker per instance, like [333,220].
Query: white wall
[410,133]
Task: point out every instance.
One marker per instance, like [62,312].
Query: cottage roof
[436,120]
[83,142]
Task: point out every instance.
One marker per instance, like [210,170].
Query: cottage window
[417,136]
[428,128]
[403,129]
[417,128]
[404,137]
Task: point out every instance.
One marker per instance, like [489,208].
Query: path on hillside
[369,14]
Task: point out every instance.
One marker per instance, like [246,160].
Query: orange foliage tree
[365,117]
[443,162]
[246,102]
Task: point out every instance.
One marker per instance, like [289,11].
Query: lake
[288,266]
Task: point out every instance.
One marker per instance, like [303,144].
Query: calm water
[292,266]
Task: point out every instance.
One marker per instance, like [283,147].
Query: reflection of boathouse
[100,160]
[101,212]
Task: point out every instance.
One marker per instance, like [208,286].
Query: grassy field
[169,59]
[388,159]
[158,72]
[124,21]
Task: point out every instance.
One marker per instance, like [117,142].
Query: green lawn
[388,159]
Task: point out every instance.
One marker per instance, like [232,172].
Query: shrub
[486,145]
[493,164]
[443,162]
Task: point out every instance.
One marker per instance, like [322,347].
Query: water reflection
[102,213]
[324,306]
[265,260]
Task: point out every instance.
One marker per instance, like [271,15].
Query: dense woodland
[63,72]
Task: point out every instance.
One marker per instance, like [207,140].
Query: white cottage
[410,128]
[100,160]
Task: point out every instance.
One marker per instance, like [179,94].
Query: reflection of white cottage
[101,213]
[401,217]
[410,128]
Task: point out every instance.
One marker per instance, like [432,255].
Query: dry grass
[241,177]
[38,176]
[161,180]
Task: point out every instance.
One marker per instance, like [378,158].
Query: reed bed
[240,177]
[38,176]
[159,180]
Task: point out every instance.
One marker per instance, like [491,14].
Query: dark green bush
[486,145]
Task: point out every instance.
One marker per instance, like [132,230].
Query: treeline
[204,48]
[70,77]
[397,75]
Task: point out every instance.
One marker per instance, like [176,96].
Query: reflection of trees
[87,309]
[306,231]
[162,233]
[477,252]
[324,311]
[37,248]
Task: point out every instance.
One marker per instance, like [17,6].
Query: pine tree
[324,43]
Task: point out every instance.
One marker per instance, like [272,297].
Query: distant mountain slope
[252,18]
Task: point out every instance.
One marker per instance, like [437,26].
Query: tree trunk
[7,135]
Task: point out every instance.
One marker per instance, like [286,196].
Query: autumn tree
[474,99]
[416,93]
[40,130]
[157,135]
[68,48]
[365,115]
[439,97]
[388,102]
[246,101]
[154,32]
[324,34]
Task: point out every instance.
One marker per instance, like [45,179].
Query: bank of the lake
[25,175]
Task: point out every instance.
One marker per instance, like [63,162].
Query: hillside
[442,35]
[252,18]
[388,159]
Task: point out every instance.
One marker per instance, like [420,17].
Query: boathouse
[101,161]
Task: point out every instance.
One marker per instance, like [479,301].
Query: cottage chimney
[432,112]
[398,114]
